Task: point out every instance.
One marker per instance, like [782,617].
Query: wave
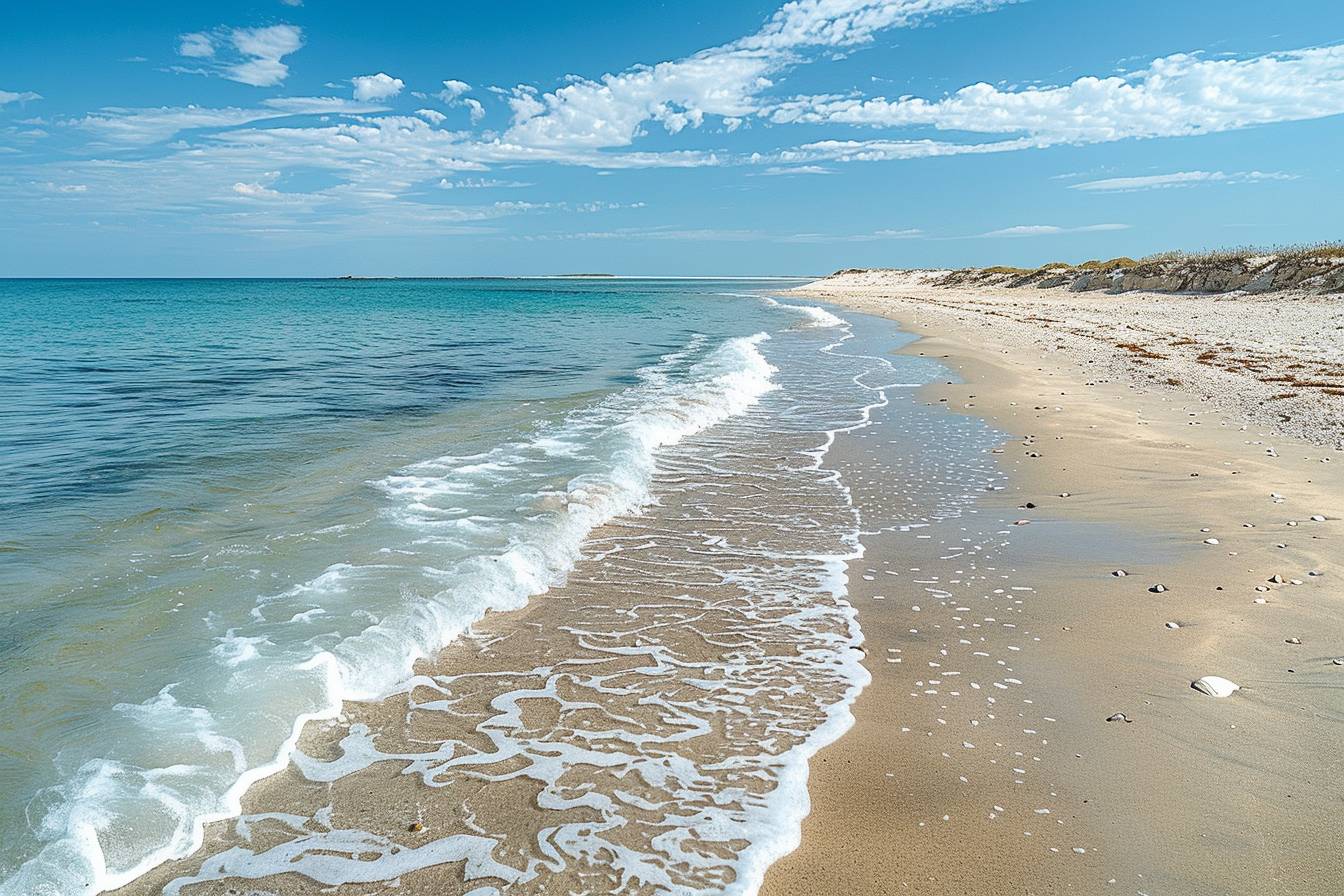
[813,315]
[481,533]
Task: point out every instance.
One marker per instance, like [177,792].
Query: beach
[1101,769]
[861,587]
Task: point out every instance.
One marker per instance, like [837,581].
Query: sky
[324,138]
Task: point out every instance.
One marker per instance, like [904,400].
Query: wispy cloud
[787,170]
[1181,95]
[247,55]
[140,127]
[22,96]
[1026,230]
[726,80]
[1178,179]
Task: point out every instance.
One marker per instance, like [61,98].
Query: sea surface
[229,507]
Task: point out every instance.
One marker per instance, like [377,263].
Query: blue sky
[279,138]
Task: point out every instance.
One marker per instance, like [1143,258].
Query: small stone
[1211,541]
[1261,600]
[1215,686]
[1118,717]
[1119,572]
[1065,495]
[1173,625]
[1292,522]
[1338,661]
[1276,579]
[415,827]
[1317,518]
[1293,641]
[1022,522]
[1158,589]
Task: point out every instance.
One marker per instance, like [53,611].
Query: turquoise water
[225,506]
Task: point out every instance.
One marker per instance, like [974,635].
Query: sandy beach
[989,688]
[1093,765]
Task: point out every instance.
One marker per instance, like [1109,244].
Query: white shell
[1215,686]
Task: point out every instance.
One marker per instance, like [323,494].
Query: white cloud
[433,116]
[1178,179]
[725,81]
[254,55]
[786,170]
[145,126]
[322,105]
[196,45]
[23,96]
[1174,96]
[256,191]
[264,49]
[1022,230]
[480,183]
[453,89]
[376,87]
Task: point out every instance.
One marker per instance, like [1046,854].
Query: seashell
[1215,686]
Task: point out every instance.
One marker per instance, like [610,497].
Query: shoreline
[657,693]
[1152,472]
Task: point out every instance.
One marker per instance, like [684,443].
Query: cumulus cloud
[1178,179]
[453,89]
[247,55]
[1174,96]
[376,87]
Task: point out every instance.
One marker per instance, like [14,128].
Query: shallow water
[229,507]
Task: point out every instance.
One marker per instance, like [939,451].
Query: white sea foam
[112,820]
[813,315]
[794,573]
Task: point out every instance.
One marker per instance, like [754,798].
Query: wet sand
[939,790]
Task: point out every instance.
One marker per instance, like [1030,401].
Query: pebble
[1173,625]
[1158,589]
[1338,661]
[1118,717]
[1261,600]
[1121,572]
[1293,641]
[1211,541]
[1318,518]
[1276,579]
[1022,522]
[415,827]
[1215,686]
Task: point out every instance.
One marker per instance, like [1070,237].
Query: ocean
[230,508]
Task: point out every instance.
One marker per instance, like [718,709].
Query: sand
[1128,469]
[998,639]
